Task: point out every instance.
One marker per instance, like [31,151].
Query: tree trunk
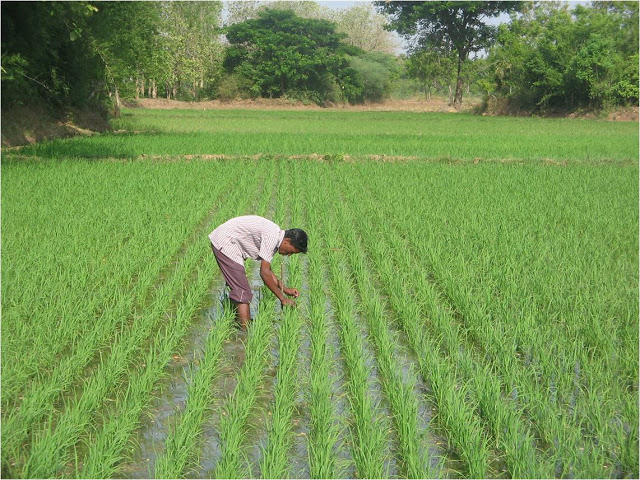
[457,102]
[118,103]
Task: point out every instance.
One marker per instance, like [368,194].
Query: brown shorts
[235,277]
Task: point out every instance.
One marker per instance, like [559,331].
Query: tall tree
[121,35]
[555,58]
[453,25]
[46,56]
[365,29]
[281,53]
[190,32]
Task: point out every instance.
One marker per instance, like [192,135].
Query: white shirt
[249,236]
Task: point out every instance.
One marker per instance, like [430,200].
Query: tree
[554,58]
[431,68]
[283,54]
[453,25]
[377,71]
[46,56]
[365,29]
[121,34]
[190,36]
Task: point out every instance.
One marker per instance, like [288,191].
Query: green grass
[507,289]
[423,135]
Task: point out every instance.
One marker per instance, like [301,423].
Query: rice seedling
[237,408]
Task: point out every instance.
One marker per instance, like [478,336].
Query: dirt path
[414,105]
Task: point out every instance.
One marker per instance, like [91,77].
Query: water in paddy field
[172,398]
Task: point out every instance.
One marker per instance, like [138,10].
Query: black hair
[298,238]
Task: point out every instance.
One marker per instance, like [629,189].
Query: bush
[377,72]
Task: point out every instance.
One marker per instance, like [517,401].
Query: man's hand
[288,303]
[291,292]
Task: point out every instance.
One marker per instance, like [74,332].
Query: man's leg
[237,281]
[243,314]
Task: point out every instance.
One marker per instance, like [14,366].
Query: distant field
[469,309]
[423,135]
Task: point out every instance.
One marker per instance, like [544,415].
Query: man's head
[295,241]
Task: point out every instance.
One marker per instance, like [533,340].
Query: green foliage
[46,55]
[123,34]
[377,71]
[553,58]
[447,27]
[74,53]
[432,68]
[282,54]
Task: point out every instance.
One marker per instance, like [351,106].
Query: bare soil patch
[413,105]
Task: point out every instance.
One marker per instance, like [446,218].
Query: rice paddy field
[468,308]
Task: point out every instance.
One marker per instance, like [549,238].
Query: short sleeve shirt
[249,236]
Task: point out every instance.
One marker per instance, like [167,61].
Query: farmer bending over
[256,238]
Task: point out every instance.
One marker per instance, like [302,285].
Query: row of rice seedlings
[455,413]
[47,453]
[82,267]
[496,343]
[324,431]
[399,391]
[106,448]
[488,387]
[511,436]
[40,396]
[554,422]
[456,410]
[181,446]
[275,459]
[113,438]
[237,408]
[179,453]
[112,295]
[559,358]
[368,429]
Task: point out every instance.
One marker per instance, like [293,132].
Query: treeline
[78,53]
[97,53]
[550,57]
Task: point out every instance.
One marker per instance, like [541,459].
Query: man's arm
[273,283]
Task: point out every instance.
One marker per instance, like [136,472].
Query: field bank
[458,319]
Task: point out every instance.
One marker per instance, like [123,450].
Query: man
[259,239]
